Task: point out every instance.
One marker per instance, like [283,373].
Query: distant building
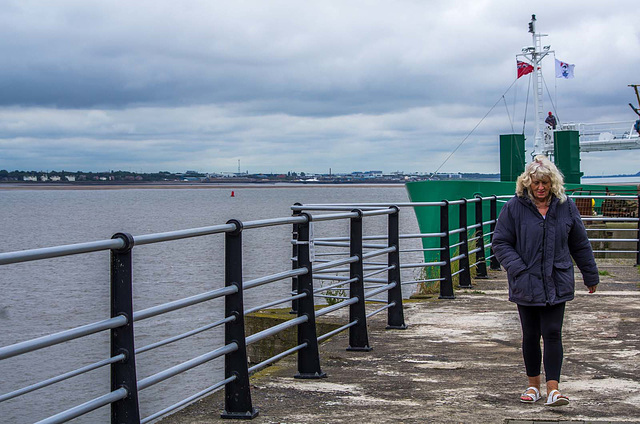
[71,178]
[30,178]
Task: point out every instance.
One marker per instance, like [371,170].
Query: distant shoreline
[179,186]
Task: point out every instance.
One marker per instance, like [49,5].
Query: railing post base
[249,415]
[359,349]
[396,327]
[310,376]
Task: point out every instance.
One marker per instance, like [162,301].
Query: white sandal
[556,399]
[534,396]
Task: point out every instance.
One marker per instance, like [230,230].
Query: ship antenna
[535,54]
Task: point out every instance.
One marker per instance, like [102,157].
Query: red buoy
[233,193]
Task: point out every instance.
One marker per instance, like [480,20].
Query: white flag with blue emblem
[564,70]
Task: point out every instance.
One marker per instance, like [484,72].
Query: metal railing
[462,239]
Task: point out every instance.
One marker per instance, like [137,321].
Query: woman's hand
[592,289]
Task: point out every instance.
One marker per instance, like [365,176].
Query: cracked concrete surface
[459,361]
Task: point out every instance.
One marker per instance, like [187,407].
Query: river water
[52,295]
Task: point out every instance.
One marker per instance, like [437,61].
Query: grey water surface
[47,296]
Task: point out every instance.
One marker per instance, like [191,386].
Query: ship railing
[124,357]
[619,130]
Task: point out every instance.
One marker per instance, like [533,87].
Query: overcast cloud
[299,86]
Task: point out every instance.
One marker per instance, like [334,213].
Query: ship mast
[535,55]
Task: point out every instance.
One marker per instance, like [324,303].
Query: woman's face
[541,188]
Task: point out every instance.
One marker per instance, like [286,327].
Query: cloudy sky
[299,85]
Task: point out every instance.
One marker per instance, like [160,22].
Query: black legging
[545,321]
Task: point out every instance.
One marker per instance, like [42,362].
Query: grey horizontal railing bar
[456,202]
[612,229]
[378,252]
[86,407]
[488,234]
[183,303]
[342,244]
[333,254]
[457,272]
[377,311]
[471,227]
[603,196]
[337,330]
[604,218]
[275,329]
[61,377]
[337,262]
[378,212]
[333,286]
[327,296]
[422,265]
[380,290]
[375,263]
[261,223]
[456,245]
[612,239]
[188,400]
[184,335]
[274,277]
[330,208]
[182,234]
[457,258]
[61,337]
[477,249]
[366,268]
[332,216]
[423,281]
[371,274]
[382,237]
[364,205]
[376,300]
[185,366]
[488,245]
[493,221]
[277,357]
[422,235]
[615,251]
[330,277]
[474,239]
[456,231]
[57,251]
[375,280]
[275,302]
[335,307]
[432,249]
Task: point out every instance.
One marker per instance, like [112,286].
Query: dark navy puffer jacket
[537,251]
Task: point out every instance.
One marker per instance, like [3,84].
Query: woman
[537,234]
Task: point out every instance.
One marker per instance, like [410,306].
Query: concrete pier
[460,362]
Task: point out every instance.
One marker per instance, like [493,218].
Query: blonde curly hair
[540,168]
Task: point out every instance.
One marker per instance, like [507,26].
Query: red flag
[524,68]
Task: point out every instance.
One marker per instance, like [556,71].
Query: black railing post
[358,335]
[446,283]
[123,374]
[309,357]
[638,234]
[395,314]
[294,261]
[481,265]
[463,238]
[237,399]
[493,207]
